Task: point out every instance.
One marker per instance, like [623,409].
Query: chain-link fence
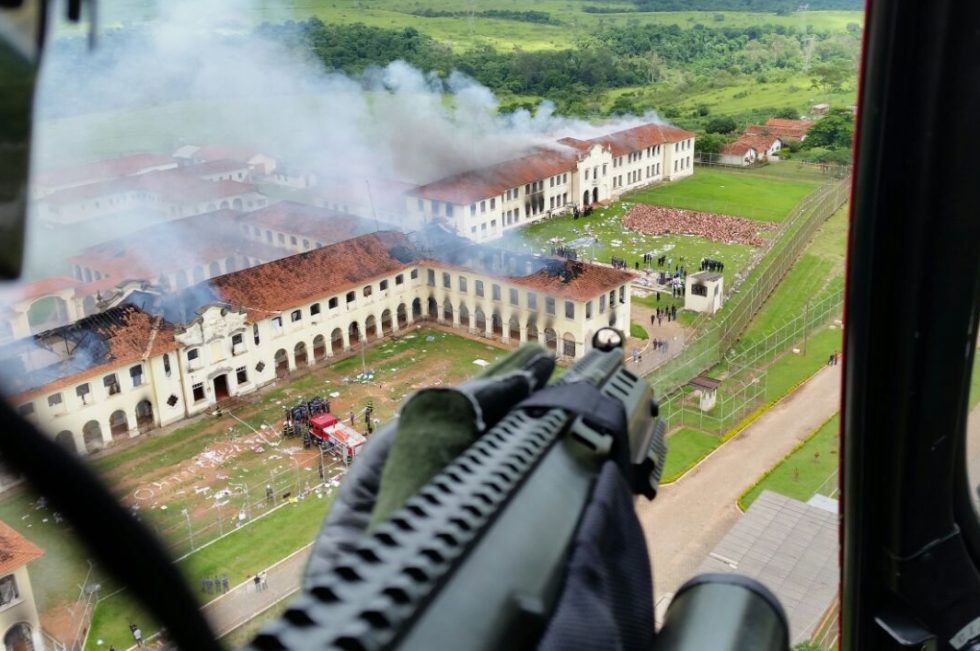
[714,338]
[188,525]
[800,169]
[734,401]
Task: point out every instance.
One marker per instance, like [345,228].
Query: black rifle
[476,559]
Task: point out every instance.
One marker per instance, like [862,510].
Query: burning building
[483,204]
[158,357]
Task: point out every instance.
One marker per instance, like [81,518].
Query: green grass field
[792,368]
[252,548]
[686,447]
[817,273]
[728,193]
[805,470]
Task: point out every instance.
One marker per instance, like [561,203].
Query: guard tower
[707,387]
[704,292]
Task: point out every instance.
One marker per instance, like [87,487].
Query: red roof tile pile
[15,550]
[288,282]
[658,220]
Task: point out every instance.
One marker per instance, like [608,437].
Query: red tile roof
[641,137]
[35,289]
[737,148]
[173,186]
[223,152]
[129,333]
[759,143]
[15,550]
[285,283]
[492,181]
[786,129]
[323,224]
[579,281]
[177,245]
[215,167]
[102,170]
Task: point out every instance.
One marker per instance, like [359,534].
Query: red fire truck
[334,436]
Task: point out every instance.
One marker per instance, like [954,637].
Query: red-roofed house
[738,153]
[482,204]
[19,623]
[260,164]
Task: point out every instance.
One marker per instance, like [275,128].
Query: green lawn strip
[975,381]
[803,284]
[793,368]
[636,330]
[685,448]
[253,547]
[804,470]
[729,193]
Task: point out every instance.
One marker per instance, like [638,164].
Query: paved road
[690,516]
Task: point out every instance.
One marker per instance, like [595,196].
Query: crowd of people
[669,313]
[658,220]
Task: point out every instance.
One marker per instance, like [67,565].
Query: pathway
[691,515]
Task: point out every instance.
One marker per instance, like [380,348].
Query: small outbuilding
[707,388]
[704,292]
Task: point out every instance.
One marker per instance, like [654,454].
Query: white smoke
[398,122]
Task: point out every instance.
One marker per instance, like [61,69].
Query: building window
[368,290]
[383,285]
[420,204]
[549,304]
[295,315]
[514,300]
[166,359]
[111,383]
[306,244]
[532,301]
[276,325]
[414,274]
[449,210]
[495,291]
[349,298]
[282,238]
[332,303]
[588,310]
[136,374]
[622,294]
[493,202]
[447,281]
[435,207]
[241,375]
[54,400]
[194,353]
[26,409]
[483,206]
[314,309]
[198,390]
[602,304]
[82,392]
[462,284]
[430,277]
[569,310]
[478,287]
[399,279]
[8,590]
[292,240]
[472,209]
